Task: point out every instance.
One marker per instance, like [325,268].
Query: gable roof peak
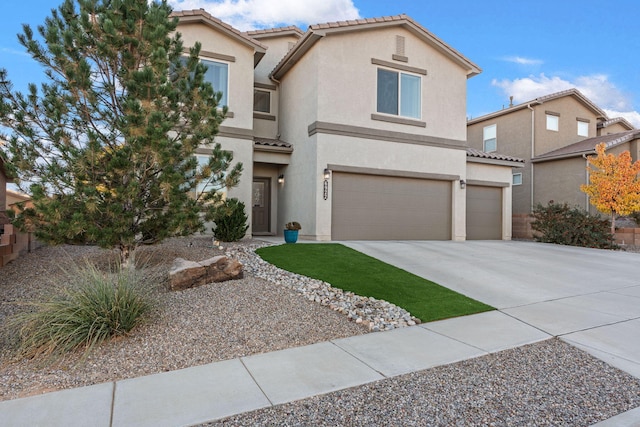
[316,32]
[541,100]
[202,16]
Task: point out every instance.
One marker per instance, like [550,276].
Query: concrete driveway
[588,297]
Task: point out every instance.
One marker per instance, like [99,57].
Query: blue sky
[525,49]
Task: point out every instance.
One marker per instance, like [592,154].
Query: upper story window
[583,128]
[553,122]
[218,75]
[489,138]
[399,93]
[262,101]
[516,179]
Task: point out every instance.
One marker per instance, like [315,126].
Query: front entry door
[261,200]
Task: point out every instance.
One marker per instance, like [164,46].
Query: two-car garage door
[373,207]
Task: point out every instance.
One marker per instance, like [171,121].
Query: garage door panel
[370,207]
[484,213]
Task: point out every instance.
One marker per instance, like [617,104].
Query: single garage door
[373,207]
[484,213]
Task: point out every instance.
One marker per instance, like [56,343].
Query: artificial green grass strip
[353,271]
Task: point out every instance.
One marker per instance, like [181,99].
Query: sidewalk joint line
[113,403]
[255,381]
[360,360]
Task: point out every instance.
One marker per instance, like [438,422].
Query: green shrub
[558,223]
[94,307]
[231,221]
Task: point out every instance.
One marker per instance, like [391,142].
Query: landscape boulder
[188,274]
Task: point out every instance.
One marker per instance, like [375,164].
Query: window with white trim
[553,122]
[489,138]
[205,186]
[516,179]
[218,75]
[399,93]
[583,128]
[261,101]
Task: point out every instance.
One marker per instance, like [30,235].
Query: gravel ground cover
[545,384]
[548,383]
[188,328]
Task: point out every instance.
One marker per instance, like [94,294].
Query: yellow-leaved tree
[614,187]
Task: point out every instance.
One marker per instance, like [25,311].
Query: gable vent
[400,51]
[400,45]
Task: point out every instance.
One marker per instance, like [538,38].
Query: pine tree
[614,187]
[106,146]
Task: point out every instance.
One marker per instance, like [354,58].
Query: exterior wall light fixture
[326,175]
[463,184]
[281,179]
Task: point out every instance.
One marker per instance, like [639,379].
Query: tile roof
[353,22]
[275,31]
[268,142]
[207,16]
[587,146]
[541,100]
[472,152]
[317,31]
[604,124]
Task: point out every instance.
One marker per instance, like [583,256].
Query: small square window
[517,179]
[553,122]
[583,128]
[489,139]
[262,101]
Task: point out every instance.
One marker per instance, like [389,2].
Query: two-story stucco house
[546,132]
[355,129]
[561,172]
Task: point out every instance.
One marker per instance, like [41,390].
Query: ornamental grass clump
[93,308]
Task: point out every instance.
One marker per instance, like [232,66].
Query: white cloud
[251,14]
[596,87]
[11,51]
[523,61]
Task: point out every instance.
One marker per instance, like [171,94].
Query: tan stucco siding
[347,82]
[570,110]
[513,138]
[387,157]
[612,128]
[242,150]
[560,181]
[241,76]
[277,48]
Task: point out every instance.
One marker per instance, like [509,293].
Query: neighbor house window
[218,75]
[262,101]
[399,93]
[583,128]
[553,122]
[489,138]
[517,179]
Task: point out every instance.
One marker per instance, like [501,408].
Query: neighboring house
[608,127]
[559,173]
[355,129]
[532,129]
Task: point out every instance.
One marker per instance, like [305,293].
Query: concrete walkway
[208,392]
[530,283]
